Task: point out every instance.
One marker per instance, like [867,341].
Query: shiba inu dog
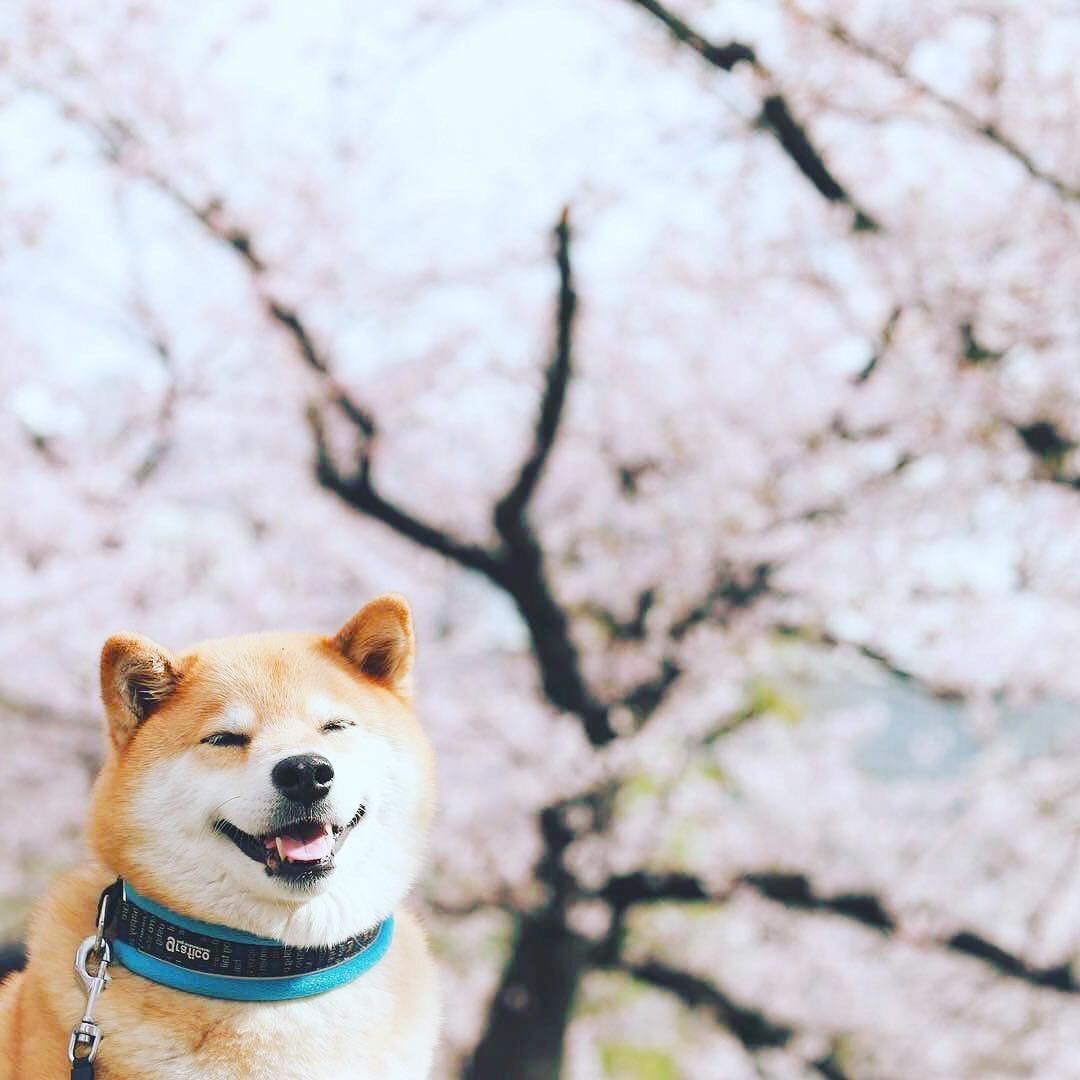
[260,816]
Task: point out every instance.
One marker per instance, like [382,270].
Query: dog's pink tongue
[311,847]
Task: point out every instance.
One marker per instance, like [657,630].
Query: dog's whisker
[225,802]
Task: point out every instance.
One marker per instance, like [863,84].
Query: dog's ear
[378,641]
[137,677]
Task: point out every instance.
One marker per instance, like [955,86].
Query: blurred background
[746,585]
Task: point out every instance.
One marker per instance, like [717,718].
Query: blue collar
[219,962]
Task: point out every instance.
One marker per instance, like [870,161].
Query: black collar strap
[217,961]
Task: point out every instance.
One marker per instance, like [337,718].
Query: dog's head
[277,783]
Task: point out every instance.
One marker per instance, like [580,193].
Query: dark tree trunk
[528,1018]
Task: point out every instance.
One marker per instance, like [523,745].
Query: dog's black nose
[304,778]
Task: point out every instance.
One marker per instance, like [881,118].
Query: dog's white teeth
[280,847]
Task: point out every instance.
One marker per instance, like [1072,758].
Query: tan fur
[384,1024]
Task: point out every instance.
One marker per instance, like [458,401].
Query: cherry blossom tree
[739,519]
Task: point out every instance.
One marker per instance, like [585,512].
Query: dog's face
[277,783]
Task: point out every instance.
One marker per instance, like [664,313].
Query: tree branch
[521,571]
[158,449]
[642,887]
[885,340]
[557,377]
[730,591]
[750,1026]
[623,630]
[980,128]
[753,1028]
[117,140]
[645,698]
[776,115]
[942,691]
[1051,448]
[357,490]
[212,217]
[796,892]
[1058,977]
[733,589]
[794,139]
[724,57]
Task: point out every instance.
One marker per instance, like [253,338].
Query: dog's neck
[218,961]
[316,920]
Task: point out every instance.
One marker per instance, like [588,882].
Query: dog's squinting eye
[227,738]
[337,725]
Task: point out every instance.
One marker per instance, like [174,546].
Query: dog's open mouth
[300,851]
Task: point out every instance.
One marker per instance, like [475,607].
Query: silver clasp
[86,1035]
[95,982]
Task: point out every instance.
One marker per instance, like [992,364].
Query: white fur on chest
[352,1032]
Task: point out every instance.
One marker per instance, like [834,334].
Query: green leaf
[766,698]
[623,1061]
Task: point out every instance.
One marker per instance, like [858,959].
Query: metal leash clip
[86,1035]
